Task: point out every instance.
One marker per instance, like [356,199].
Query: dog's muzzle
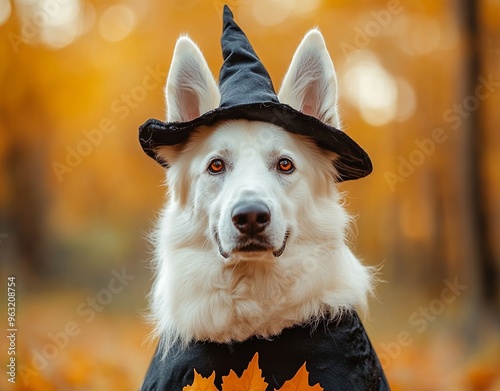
[251,219]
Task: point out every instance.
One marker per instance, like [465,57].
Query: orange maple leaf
[251,379]
[300,382]
[201,383]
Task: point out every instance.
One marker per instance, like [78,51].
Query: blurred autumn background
[419,90]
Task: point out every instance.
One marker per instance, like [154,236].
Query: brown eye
[285,165]
[216,166]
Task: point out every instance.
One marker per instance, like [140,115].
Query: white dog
[251,258]
[253,237]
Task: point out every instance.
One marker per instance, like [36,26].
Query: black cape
[338,356]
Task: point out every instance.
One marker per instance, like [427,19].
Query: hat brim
[353,162]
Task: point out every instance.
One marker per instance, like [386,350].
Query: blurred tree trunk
[478,260]
[479,187]
[25,215]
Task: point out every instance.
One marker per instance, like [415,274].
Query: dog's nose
[251,218]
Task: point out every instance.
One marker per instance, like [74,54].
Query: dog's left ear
[310,85]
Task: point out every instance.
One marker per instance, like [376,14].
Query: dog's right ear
[190,92]
[191,89]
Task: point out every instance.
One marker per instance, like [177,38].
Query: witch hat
[247,92]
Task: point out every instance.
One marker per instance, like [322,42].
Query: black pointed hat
[247,92]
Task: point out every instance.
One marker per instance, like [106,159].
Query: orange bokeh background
[419,90]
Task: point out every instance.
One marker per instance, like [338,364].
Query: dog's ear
[310,85]
[191,89]
[190,92]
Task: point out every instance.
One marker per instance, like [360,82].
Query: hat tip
[227,11]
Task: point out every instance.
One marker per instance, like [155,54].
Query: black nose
[251,218]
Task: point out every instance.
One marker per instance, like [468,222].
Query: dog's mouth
[253,245]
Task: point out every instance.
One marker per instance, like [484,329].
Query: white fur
[310,85]
[198,293]
[191,89]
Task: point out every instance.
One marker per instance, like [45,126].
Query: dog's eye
[285,165]
[216,166]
